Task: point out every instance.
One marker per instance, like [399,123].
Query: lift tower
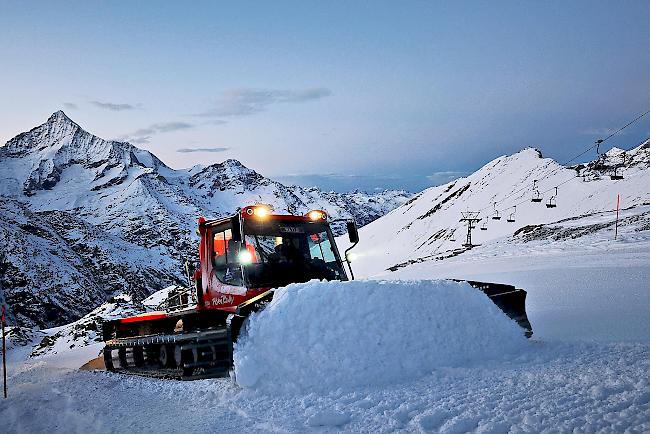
[470,218]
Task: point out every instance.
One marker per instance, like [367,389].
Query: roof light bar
[260,211]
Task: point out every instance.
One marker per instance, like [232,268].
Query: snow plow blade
[511,300]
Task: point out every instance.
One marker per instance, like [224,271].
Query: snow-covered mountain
[84,217]
[428,227]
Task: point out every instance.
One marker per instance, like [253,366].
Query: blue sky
[340,94]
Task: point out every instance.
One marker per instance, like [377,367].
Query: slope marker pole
[618,206]
[4,353]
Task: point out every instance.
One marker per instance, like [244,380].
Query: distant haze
[342,95]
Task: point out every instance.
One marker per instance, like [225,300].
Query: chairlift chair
[551,201]
[617,176]
[511,218]
[496,215]
[600,160]
[484,226]
[536,196]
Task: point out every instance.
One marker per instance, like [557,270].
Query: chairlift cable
[563,165]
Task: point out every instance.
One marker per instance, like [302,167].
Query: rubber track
[219,338]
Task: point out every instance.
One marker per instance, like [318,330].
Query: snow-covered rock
[88,329]
[58,267]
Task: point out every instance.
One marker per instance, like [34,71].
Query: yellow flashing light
[317,215]
[261,211]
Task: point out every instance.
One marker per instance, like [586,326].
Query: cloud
[438,178]
[70,105]
[350,182]
[112,106]
[163,127]
[188,150]
[143,135]
[446,174]
[245,102]
[137,140]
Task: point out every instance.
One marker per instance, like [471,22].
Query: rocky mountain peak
[48,151]
[529,152]
[59,117]
[232,163]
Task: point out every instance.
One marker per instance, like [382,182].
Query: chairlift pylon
[511,218]
[496,215]
[551,201]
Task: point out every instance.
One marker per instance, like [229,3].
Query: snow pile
[324,336]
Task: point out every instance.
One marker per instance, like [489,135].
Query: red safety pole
[618,206]
[4,353]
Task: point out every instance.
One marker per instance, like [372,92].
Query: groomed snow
[331,335]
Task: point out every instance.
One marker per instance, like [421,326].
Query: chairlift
[484,226]
[496,215]
[511,218]
[598,165]
[551,201]
[452,238]
[537,197]
[617,176]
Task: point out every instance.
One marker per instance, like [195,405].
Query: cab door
[223,284]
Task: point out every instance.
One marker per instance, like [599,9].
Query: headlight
[245,257]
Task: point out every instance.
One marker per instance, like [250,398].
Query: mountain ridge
[135,203]
[429,226]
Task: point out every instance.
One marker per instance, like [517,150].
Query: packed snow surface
[329,335]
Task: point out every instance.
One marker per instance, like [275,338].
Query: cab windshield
[278,253]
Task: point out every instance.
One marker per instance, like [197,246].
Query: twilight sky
[338,94]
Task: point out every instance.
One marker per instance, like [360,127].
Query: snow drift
[324,336]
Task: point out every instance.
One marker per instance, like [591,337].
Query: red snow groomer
[243,258]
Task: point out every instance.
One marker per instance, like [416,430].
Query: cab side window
[224,258]
[219,253]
